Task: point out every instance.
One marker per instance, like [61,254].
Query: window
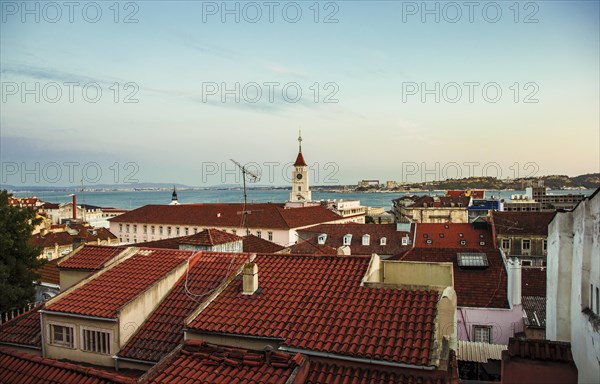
[195,230]
[134,227]
[234,231]
[152,229]
[49,255]
[247,232]
[405,240]
[526,263]
[169,231]
[322,238]
[127,228]
[299,188]
[383,241]
[187,231]
[506,243]
[544,245]
[94,340]
[120,227]
[160,230]
[145,229]
[472,260]
[366,240]
[482,334]
[270,234]
[259,234]
[347,239]
[62,335]
[526,245]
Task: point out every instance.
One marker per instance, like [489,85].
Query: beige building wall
[70,277]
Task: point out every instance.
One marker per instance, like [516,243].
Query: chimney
[74,207]
[250,276]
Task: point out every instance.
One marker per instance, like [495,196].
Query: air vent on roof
[446,226]
[472,260]
[481,235]
[482,243]
[425,235]
[441,235]
[429,241]
[463,242]
[461,235]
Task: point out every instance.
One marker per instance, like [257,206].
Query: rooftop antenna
[254,177]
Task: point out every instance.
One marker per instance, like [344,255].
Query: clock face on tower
[299,176]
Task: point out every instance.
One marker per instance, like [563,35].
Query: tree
[18,257]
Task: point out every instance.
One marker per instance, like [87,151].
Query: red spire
[300,161]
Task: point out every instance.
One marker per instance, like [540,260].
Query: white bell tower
[300,189]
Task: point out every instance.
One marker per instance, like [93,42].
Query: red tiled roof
[336,232]
[299,161]
[23,329]
[317,303]
[49,272]
[255,244]
[262,215]
[327,372]
[312,247]
[474,193]
[480,288]
[533,281]
[19,367]
[107,293]
[450,235]
[162,332]
[210,236]
[435,201]
[200,362]
[91,257]
[522,223]
[555,351]
[52,238]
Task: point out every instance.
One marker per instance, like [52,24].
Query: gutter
[235,335]
[356,359]
[117,358]
[22,345]
[77,316]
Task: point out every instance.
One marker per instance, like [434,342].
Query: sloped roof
[450,235]
[19,367]
[522,223]
[533,281]
[312,247]
[336,232]
[23,329]
[262,215]
[317,303]
[207,237]
[545,350]
[255,244]
[299,161]
[90,257]
[200,362]
[49,272]
[52,238]
[481,288]
[162,332]
[535,311]
[107,293]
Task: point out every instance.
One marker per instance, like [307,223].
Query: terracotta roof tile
[163,331]
[555,351]
[255,244]
[533,281]
[23,329]
[453,235]
[317,303]
[19,367]
[52,238]
[481,288]
[200,362]
[522,223]
[300,160]
[49,272]
[207,237]
[263,215]
[312,247]
[91,257]
[107,293]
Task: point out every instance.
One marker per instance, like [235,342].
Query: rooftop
[316,303]
[207,237]
[19,367]
[90,257]
[23,329]
[546,350]
[51,239]
[454,235]
[163,330]
[255,244]
[200,362]
[49,272]
[535,311]
[533,281]
[109,291]
[262,215]
[522,223]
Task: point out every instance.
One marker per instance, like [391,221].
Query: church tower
[174,200]
[300,190]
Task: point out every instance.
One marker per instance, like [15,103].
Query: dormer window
[366,239]
[383,241]
[405,240]
[347,239]
[322,238]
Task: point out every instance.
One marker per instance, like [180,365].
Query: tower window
[299,188]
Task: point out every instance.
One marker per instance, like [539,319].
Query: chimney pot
[250,278]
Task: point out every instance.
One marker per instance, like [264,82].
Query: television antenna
[253,178]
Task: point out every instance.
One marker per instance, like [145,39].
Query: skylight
[472,260]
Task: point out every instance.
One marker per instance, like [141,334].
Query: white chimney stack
[250,278]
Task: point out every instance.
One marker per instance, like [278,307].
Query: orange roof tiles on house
[312,247]
[255,244]
[336,232]
[163,331]
[262,215]
[474,193]
[533,281]
[49,272]
[19,367]
[546,350]
[90,257]
[207,237]
[51,239]
[108,292]
[200,362]
[23,329]
[522,223]
[453,235]
[316,303]
[481,288]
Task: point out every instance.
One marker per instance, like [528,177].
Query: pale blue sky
[376,49]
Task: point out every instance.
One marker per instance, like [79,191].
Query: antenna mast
[254,178]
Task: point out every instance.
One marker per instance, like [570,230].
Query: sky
[156,91]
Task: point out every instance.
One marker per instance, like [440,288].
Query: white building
[573,284]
